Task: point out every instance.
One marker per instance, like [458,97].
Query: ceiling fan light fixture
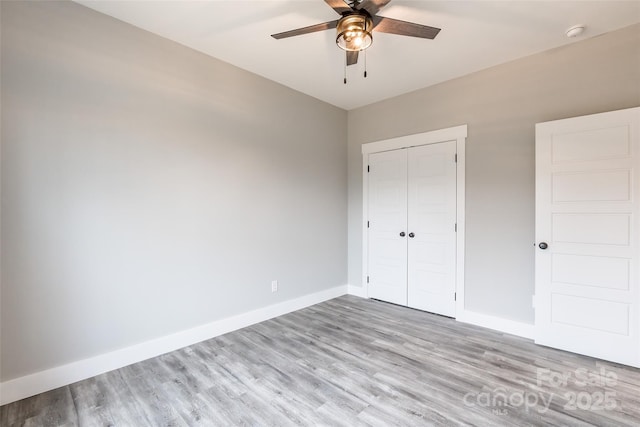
[354,32]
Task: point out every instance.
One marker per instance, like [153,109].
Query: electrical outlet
[274,286]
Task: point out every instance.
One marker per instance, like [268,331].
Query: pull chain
[345,69]
[365,64]
[365,54]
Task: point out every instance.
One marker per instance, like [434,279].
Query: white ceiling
[475,35]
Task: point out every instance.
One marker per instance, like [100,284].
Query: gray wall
[501,106]
[148,188]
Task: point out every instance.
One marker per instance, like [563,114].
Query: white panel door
[387,226]
[587,217]
[431,226]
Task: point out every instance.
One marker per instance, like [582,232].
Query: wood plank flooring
[349,362]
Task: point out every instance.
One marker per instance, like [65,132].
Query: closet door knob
[412,235]
[402,234]
[543,245]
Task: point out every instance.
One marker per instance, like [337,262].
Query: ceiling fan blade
[395,26]
[371,6]
[339,6]
[306,30]
[352,57]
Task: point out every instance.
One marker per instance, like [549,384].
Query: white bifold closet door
[412,220]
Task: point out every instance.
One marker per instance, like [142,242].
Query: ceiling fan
[358,20]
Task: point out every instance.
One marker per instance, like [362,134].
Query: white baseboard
[512,327]
[42,381]
[358,291]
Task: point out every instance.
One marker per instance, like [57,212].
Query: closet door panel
[431,227]
[387,220]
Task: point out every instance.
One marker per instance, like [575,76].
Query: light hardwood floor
[349,362]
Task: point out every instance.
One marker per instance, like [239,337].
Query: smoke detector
[575,31]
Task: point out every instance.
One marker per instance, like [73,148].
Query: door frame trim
[456,133]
